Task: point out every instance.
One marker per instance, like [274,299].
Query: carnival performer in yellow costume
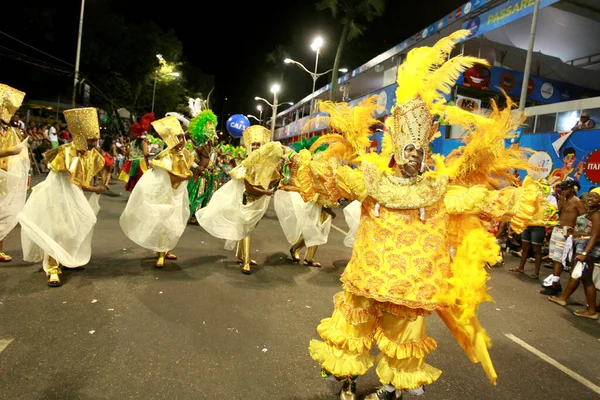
[158,209]
[58,221]
[14,165]
[236,208]
[420,246]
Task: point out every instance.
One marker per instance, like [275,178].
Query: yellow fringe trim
[339,362]
[329,332]
[401,351]
[355,315]
[404,313]
[406,379]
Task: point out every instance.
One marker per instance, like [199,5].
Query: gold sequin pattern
[402,193]
[168,128]
[176,162]
[255,134]
[82,165]
[83,125]
[400,259]
[412,124]
[9,137]
[10,101]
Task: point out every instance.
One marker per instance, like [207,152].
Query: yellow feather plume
[419,63]
[440,82]
[484,158]
[353,123]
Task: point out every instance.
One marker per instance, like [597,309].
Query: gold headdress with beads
[83,125]
[10,101]
[255,134]
[168,128]
[423,80]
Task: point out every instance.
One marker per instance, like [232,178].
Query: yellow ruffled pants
[398,330]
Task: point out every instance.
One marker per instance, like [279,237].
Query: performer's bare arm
[256,191]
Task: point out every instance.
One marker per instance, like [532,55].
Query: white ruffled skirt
[13,191]
[156,214]
[227,217]
[58,221]
[299,218]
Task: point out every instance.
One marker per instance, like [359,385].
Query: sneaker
[383,394]
[552,290]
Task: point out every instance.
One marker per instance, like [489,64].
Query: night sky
[231,41]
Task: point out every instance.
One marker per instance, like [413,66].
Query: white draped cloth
[352,214]
[299,218]
[156,213]
[58,221]
[13,190]
[227,217]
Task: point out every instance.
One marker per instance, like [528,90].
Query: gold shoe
[160,262]
[53,278]
[348,390]
[295,255]
[5,257]
[246,269]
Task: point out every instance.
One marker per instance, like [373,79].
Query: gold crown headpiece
[10,101]
[424,79]
[256,134]
[168,128]
[83,125]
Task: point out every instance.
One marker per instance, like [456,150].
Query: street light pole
[274,89]
[76,76]
[154,92]
[315,76]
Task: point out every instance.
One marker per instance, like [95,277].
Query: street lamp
[252,116]
[316,46]
[260,110]
[174,74]
[274,89]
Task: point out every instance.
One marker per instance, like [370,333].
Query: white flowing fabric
[13,190]
[299,218]
[226,217]
[58,220]
[156,214]
[352,214]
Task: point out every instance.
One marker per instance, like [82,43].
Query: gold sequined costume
[420,246]
[14,169]
[58,220]
[158,208]
[236,208]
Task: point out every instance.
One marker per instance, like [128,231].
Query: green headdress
[305,143]
[239,151]
[202,127]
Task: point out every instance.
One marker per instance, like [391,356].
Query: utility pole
[76,77]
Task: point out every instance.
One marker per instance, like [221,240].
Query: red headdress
[140,129]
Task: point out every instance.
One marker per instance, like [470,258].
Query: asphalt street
[200,329]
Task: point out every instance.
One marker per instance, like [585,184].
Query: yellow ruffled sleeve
[515,204]
[323,178]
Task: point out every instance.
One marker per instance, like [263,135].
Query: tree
[351,11]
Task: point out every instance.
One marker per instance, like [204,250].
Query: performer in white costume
[158,209]
[236,208]
[57,221]
[305,224]
[14,165]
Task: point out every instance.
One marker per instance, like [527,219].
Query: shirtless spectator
[569,208]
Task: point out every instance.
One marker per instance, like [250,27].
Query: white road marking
[4,343]
[339,230]
[554,363]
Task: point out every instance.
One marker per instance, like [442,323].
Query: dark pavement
[200,329]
